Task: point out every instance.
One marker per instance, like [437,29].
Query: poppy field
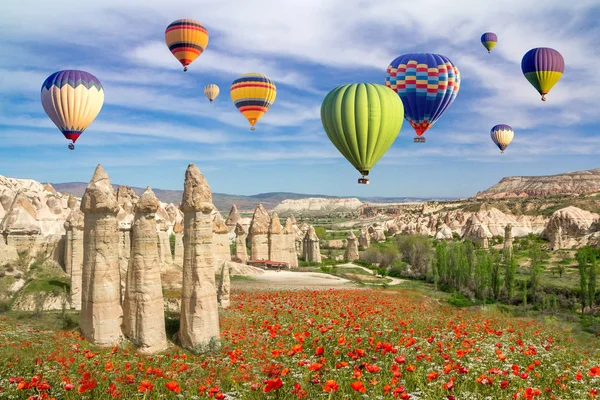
[330,344]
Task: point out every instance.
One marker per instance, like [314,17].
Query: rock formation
[300,234]
[522,186]
[317,206]
[221,248]
[378,234]
[233,218]
[311,248]
[143,307]
[223,294]
[199,321]
[508,240]
[443,233]
[364,240]
[241,253]
[289,254]
[74,255]
[276,239]
[259,238]
[573,227]
[351,252]
[101,313]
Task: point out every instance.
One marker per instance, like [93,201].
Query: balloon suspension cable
[184,69]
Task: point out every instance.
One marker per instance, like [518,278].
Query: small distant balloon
[187,39]
[211,91]
[72,99]
[253,94]
[543,67]
[489,40]
[502,135]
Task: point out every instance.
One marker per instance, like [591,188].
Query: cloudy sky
[156,120]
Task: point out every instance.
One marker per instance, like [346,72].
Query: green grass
[48,285]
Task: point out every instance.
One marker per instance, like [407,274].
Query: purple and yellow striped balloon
[489,40]
[543,67]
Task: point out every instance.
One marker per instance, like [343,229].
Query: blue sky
[156,120]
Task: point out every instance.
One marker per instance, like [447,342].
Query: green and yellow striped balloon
[362,121]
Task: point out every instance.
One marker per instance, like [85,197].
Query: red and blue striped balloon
[427,84]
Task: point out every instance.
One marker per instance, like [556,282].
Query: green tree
[592,281]
[495,279]
[510,273]
[535,257]
[321,232]
[172,244]
[582,261]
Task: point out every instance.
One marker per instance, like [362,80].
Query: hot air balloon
[362,120]
[489,40]
[72,99]
[211,91]
[543,67]
[502,135]
[253,94]
[427,84]
[187,39]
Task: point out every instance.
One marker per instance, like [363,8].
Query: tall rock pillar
[241,253]
[289,240]
[74,255]
[199,309]
[101,312]
[351,253]
[143,305]
[259,239]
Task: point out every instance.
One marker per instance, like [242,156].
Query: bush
[172,244]
[397,269]
[321,232]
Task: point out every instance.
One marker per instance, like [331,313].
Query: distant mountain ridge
[574,183]
[224,201]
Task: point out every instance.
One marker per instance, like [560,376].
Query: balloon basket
[419,139]
[364,181]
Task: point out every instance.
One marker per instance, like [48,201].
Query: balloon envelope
[543,67]
[72,99]
[502,135]
[187,39]
[253,94]
[362,121]
[211,91]
[489,40]
[427,84]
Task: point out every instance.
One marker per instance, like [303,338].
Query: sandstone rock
[199,308]
[522,186]
[234,217]
[125,194]
[101,312]
[74,226]
[508,240]
[241,253]
[259,229]
[378,235]
[221,249]
[364,240]
[351,253]
[224,286]
[289,254]
[311,248]
[276,239]
[444,233]
[143,309]
[572,227]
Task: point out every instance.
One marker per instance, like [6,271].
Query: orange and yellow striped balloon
[253,94]
[187,39]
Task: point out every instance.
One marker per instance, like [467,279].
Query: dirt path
[395,281]
[295,280]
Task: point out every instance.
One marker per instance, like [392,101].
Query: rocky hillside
[579,182]
[224,201]
[317,206]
